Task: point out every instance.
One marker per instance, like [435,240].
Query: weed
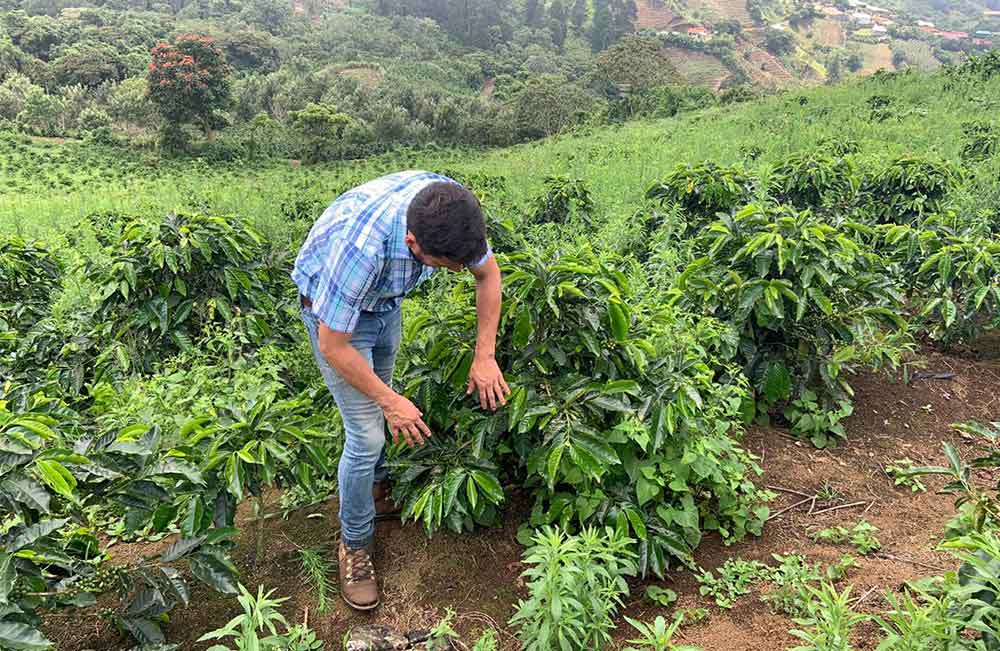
[661,596]
[862,536]
[830,621]
[657,636]
[316,571]
[827,493]
[901,473]
[735,579]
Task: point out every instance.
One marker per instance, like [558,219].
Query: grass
[618,162]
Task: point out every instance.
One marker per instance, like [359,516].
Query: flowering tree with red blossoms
[189,81]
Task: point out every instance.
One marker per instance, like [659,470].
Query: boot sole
[360,607]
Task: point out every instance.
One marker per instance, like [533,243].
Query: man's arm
[402,415]
[484,375]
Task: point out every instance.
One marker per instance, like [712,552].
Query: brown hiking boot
[385,507]
[357,578]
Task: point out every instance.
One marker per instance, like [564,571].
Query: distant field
[698,68]
[918,54]
[653,14]
[877,57]
[826,32]
[719,9]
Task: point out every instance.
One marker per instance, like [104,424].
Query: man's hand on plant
[486,378]
[405,420]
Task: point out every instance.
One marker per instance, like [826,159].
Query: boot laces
[359,565]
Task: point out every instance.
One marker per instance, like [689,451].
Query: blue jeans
[362,462]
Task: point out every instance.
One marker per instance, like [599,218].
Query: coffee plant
[29,279]
[953,278]
[165,280]
[52,476]
[704,190]
[804,296]
[617,416]
[909,187]
[563,198]
[814,180]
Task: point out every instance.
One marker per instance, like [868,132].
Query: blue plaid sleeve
[347,276]
[483,260]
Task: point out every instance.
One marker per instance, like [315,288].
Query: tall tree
[623,15]
[531,12]
[557,22]
[189,81]
[579,13]
[600,28]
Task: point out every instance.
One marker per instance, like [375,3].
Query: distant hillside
[782,43]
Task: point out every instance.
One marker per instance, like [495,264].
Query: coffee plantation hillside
[700,315]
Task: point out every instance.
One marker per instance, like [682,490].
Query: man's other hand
[486,378]
[406,420]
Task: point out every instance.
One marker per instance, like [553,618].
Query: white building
[862,18]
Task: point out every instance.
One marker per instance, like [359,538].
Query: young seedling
[901,473]
[862,536]
[657,636]
[661,596]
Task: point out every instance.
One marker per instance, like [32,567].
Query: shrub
[704,190]
[909,187]
[814,180]
[804,296]
[164,281]
[982,140]
[563,197]
[617,417]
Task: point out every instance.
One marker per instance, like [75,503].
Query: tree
[271,15]
[14,93]
[88,64]
[557,22]
[546,104]
[532,10]
[623,15]
[324,132]
[635,64]
[729,26]
[41,114]
[189,81]
[779,41]
[249,50]
[600,28]
[578,15]
[898,58]
[855,61]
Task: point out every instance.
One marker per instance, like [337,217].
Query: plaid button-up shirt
[355,258]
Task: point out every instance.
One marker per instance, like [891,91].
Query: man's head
[445,226]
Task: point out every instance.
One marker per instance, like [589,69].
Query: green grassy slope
[619,163]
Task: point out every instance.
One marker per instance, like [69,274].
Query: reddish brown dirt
[477,575]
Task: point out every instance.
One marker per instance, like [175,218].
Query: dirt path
[477,575]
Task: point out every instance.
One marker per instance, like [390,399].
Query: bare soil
[478,575]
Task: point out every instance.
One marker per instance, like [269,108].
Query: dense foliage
[617,417]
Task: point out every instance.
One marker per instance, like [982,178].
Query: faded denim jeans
[362,463]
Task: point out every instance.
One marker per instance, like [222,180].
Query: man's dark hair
[448,223]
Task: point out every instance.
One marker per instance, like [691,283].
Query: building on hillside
[861,18]
[982,42]
[925,23]
[983,34]
[992,13]
[699,31]
[954,36]
[880,30]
